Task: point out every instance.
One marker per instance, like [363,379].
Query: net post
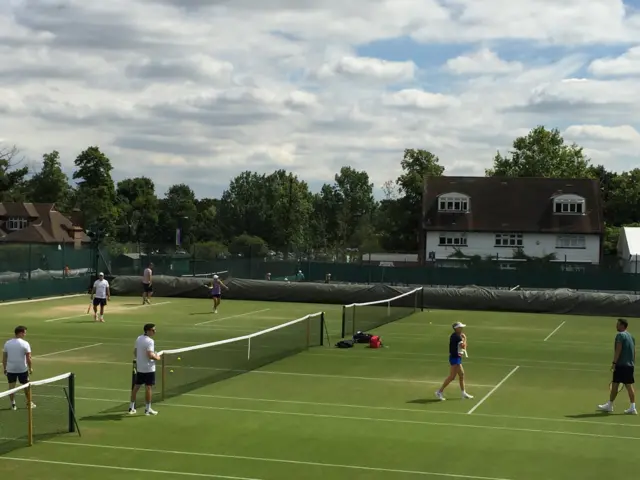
[164,376]
[353,320]
[344,321]
[249,349]
[422,299]
[389,308]
[72,402]
[322,329]
[27,393]
[308,322]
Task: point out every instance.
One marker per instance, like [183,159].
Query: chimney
[77,233]
[77,218]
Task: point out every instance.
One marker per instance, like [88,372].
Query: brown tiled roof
[499,204]
[46,224]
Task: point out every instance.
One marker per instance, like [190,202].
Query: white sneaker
[33,405]
[605,407]
[466,395]
[151,411]
[132,411]
[440,396]
[631,411]
[14,406]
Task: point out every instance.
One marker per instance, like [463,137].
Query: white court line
[376,419]
[126,469]
[370,407]
[233,316]
[69,350]
[493,390]
[551,334]
[272,460]
[121,309]
[45,299]
[294,374]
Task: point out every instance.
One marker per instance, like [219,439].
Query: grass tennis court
[332,413]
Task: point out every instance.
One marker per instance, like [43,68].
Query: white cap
[215,276]
[458,325]
[101,274]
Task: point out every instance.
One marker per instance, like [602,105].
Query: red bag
[375,342]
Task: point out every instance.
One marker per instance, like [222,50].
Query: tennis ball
[170,371]
[178,358]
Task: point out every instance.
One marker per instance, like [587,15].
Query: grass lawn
[332,413]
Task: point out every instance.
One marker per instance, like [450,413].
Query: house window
[571,241]
[569,206]
[508,240]
[453,240]
[17,223]
[453,203]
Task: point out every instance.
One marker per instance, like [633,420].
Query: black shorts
[147,288]
[623,374]
[216,295]
[20,377]
[148,378]
[99,302]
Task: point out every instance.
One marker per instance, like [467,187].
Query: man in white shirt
[147,284]
[145,359]
[16,361]
[101,293]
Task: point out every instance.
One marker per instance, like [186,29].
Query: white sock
[633,405]
[148,407]
[132,406]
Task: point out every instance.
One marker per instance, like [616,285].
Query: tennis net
[362,317]
[188,368]
[44,408]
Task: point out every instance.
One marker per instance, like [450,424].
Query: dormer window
[453,202]
[569,205]
[17,223]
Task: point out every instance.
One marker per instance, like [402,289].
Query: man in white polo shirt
[147,284]
[16,361]
[100,295]
[145,363]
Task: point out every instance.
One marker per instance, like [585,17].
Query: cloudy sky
[196,91]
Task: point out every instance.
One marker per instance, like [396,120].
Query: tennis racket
[134,374]
[89,307]
[620,387]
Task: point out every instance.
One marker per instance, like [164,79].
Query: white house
[512,219]
[629,249]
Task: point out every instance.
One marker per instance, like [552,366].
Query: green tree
[177,210]
[96,193]
[248,246]
[243,208]
[542,153]
[355,206]
[289,208]
[400,218]
[12,178]
[138,206]
[50,184]
[206,228]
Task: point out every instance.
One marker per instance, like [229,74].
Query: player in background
[147,284]
[16,362]
[624,359]
[216,293]
[145,359]
[100,294]
[457,344]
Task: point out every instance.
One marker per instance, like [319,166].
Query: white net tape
[35,383]
[239,339]
[384,302]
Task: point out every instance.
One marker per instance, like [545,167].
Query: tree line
[259,212]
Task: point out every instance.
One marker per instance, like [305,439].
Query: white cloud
[626,64]
[372,68]
[484,62]
[175,88]
[622,133]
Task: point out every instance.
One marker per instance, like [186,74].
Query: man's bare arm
[4,361]
[616,355]
[153,355]
[29,364]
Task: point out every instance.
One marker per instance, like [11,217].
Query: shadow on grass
[108,417]
[589,415]
[202,313]
[424,401]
